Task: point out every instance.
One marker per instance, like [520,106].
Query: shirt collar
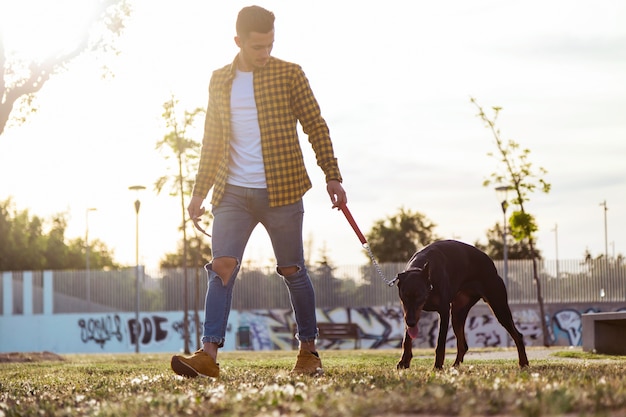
[233,66]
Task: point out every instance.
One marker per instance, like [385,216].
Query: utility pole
[606,239]
[87,277]
[137,188]
[556,247]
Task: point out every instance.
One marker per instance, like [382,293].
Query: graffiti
[150,330]
[570,322]
[269,329]
[528,323]
[100,330]
[484,331]
[382,327]
[179,327]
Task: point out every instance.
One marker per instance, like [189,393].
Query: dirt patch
[29,357]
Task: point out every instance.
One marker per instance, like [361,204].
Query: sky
[394,80]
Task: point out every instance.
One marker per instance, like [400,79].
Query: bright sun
[36,29]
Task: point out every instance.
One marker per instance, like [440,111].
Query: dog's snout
[411,318]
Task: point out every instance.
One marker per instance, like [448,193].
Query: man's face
[255,50]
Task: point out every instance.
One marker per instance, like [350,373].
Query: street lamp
[606,240]
[87,254]
[556,247]
[137,188]
[502,195]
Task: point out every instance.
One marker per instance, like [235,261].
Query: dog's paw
[403,365]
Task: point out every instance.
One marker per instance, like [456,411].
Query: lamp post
[556,247]
[502,194]
[137,188]
[88,281]
[606,240]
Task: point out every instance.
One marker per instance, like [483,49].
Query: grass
[355,383]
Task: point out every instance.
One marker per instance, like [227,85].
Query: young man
[252,159]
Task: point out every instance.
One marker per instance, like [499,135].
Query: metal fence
[566,281]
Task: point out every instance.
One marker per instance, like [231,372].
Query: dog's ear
[399,278]
[426,269]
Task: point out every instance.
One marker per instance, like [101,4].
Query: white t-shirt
[245,167]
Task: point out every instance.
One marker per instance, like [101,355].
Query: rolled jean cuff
[308,339]
[219,341]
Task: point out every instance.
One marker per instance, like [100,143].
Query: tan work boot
[198,364]
[308,363]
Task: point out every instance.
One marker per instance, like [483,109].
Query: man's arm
[313,124]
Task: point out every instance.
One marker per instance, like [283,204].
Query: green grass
[355,383]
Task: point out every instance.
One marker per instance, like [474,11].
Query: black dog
[450,277]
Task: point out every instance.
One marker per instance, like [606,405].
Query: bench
[604,332]
[336,332]
[340,331]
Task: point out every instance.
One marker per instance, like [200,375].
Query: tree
[186,152]
[197,254]
[25,246]
[323,277]
[495,248]
[398,237]
[20,80]
[517,173]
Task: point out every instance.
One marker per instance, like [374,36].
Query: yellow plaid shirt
[283,97]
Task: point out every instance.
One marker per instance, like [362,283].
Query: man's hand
[195,208]
[337,193]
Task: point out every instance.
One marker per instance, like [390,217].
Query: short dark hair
[254,19]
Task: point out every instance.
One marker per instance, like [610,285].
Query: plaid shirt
[283,97]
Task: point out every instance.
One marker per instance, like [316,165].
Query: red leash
[348,215]
[355,227]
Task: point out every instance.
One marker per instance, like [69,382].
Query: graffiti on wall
[151,329]
[100,330]
[383,328]
[380,327]
[178,326]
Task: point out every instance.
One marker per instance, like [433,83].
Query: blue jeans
[234,219]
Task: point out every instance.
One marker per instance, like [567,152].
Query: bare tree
[186,152]
[517,173]
[21,80]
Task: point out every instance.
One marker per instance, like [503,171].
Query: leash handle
[355,227]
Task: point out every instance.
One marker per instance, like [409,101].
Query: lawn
[356,383]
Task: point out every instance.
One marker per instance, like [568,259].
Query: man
[252,159]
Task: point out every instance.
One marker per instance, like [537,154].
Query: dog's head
[414,288]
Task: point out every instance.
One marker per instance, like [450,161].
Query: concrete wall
[382,327]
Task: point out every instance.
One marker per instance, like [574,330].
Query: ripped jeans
[234,219]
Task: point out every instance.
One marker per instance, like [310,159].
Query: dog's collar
[417,269]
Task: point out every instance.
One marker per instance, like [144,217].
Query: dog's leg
[500,307]
[504,316]
[440,350]
[407,352]
[461,306]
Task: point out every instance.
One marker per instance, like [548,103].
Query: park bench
[340,331]
[604,332]
[336,332]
